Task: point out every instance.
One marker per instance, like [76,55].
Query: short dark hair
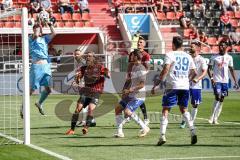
[223,43]
[138,54]
[177,41]
[36,26]
[77,50]
[141,38]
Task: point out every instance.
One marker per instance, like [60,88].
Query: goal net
[14,69]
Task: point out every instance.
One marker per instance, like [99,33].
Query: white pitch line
[37,148]
[49,152]
[210,157]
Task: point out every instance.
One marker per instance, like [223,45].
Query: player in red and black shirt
[93,75]
[145,61]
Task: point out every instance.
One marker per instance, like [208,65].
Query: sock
[214,107]
[43,97]
[119,120]
[218,111]
[84,114]
[74,120]
[186,115]
[89,120]
[138,120]
[144,111]
[163,125]
[194,113]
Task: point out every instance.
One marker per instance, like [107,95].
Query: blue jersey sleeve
[47,38]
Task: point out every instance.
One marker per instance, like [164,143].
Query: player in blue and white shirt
[133,97]
[178,70]
[220,64]
[40,72]
[196,83]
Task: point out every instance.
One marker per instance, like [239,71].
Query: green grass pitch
[214,141]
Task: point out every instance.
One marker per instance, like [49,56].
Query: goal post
[12,67]
[26,88]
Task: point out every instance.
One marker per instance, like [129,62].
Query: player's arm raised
[53,33]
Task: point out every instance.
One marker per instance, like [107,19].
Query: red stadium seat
[23,2]
[89,24]
[86,16]
[231,14]
[55,8]
[9,24]
[127,1]
[135,1]
[171,16]
[237,48]
[186,32]
[143,1]
[66,16]
[76,17]
[18,25]
[79,24]
[1,24]
[54,2]
[234,22]
[161,16]
[17,18]
[60,24]
[57,16]
[212,40]
[69,24]
[237,14]
[179,14]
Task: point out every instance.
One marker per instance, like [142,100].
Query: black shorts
[87,100]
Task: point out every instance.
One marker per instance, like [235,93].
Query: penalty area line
[207,157]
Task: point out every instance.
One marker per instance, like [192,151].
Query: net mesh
[11,126]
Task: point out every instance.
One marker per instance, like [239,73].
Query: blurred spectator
[176,5]
[225,22]
[185,22]
[6,5]
[236,5]
[46,5]
[193,34]
[227,5]
[135,39]
[34,7]
[83,6]
[199,5]
[117,4]
[202,36]
[234,38]
[65,6]
[18,50]
[52,51]
[158,6]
